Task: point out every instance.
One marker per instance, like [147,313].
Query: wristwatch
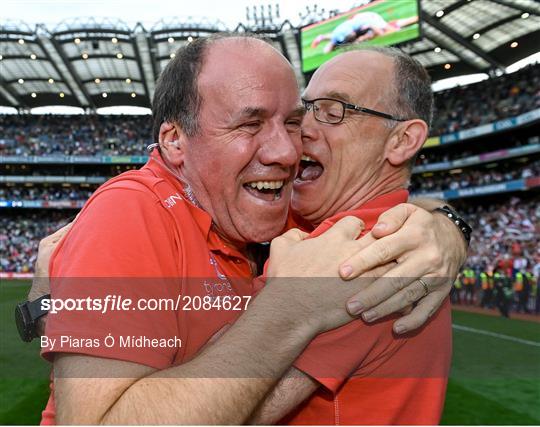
[460,223]
[26,316]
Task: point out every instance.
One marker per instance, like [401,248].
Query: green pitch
[24,385]
[313,58]
[495,378]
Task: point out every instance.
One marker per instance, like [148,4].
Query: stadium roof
[93,63]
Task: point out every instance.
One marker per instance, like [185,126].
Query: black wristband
[26,316]
[459,222]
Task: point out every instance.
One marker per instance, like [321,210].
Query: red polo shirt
[138,237]
[371,376]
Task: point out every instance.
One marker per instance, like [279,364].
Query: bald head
[402,79]
[242,60]
[243,46]
[177,98]
[364,75]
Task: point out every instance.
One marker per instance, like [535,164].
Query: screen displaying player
[382,22]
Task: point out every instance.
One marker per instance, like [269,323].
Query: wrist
[459,223]
[450,229]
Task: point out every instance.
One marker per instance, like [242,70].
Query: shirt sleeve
[120,253]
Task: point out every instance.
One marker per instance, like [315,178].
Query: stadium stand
[487,101]
[49,192]
[20,235]
[474,178]
[77,135]
[483,155]
[90,135]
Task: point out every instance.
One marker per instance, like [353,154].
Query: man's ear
[405,141]
[172,142]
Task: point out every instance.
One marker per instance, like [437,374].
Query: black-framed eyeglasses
[332,111]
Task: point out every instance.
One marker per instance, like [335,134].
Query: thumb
[348,228]
[293,235]
[392,220]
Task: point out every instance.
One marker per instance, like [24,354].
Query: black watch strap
[26,316]
[34,308]
[459,222]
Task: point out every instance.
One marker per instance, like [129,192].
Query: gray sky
[231,12]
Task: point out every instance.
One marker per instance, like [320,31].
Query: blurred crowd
[487,101]
[503,268]
[20,236]
[506,241]
[457,108]
[466,150]
[82,135]
[473,177]
[419,183]
[45,193]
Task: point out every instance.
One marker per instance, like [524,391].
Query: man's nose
[281,147]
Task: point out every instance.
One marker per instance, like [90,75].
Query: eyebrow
[339,95]
[249,112]
[246,113]
[298,111]
[332,94]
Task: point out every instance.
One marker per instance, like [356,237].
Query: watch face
[22,320]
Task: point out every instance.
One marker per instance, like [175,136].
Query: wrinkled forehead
[361,76]
[237,60]
[247,74]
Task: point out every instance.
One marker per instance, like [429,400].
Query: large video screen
[380,23]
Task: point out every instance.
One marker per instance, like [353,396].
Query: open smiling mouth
[309,170]
[265,190]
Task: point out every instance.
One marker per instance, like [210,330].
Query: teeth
[266,185]
[307,158]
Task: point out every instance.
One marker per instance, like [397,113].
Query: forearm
[226,382]
[294,388]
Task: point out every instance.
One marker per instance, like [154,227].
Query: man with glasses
[368,115]
[227,161]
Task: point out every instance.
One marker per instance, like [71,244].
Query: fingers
[382,251]
[365,241]
[345,269]
[425,308]
[293,235]
[382,289]
[399,277]
[397,302]
[348,228]
[392,220]
[354,307]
